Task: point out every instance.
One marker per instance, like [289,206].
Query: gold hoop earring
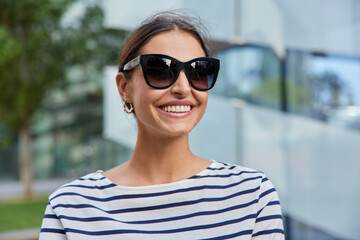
[128,107]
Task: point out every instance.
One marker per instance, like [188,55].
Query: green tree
[37,47]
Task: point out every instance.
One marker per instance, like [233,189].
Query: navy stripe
[221,168]
[167,231]
[50,216]
[91,179]
[52,230]
[216,169]
[225,164]
[92,187]
[222,175]
[269,204]
[266,232]
[273,203]
[267,192]
[241,233]
[187,216]
[133,196]
[264,179]
[270,217]
[163,206]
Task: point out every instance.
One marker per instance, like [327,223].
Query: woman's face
[155,107]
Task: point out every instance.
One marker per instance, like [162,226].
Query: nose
[182,85]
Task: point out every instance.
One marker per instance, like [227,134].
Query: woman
[165,191]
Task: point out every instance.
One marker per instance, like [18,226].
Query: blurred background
[287,102]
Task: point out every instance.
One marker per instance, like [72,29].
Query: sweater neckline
[157,186]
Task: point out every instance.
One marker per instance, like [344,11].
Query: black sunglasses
[161,71]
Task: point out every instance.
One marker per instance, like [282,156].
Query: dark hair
[158,23]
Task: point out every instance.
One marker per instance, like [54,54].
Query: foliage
[42,42]
[37,49]
[22,214]
[269,92]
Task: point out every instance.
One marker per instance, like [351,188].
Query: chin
[178,132]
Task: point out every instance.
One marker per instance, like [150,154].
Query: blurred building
[286,102]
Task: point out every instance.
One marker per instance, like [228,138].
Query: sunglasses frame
[142,60]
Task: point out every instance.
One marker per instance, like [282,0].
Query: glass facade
[320,86]
[251,73]
[302,148]
[325,87]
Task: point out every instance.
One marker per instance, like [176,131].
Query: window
[251,73]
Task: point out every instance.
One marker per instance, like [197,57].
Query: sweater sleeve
[269,223]
[51,227]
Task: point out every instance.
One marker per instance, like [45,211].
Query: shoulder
[243,177]
[83,187]
[227,170]
[256,194]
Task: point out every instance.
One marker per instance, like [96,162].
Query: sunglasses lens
[160,71]
[202,74]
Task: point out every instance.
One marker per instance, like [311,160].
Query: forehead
[178,44]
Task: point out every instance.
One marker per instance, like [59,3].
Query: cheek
[144,101]
[136,91]
[202,98]
[204,107]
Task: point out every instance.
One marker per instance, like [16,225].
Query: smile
[176,109]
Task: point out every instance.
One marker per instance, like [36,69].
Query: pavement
[27,234]
[14,189]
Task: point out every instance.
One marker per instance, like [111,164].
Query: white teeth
[177,108]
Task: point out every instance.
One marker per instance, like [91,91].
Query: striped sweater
[222,202]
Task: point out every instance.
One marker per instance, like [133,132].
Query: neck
[162,159]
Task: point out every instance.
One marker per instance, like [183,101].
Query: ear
[123,86]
